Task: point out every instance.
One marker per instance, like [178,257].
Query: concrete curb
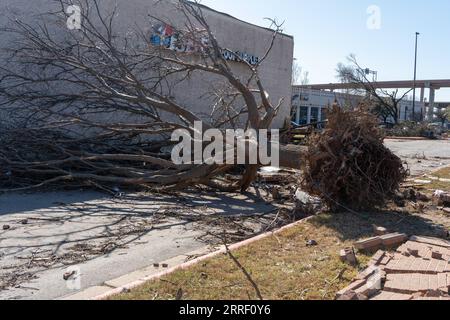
[188,264]
[406,138]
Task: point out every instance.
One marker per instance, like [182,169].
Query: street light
[415,79]
[374,74]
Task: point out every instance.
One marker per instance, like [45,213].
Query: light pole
[415,79]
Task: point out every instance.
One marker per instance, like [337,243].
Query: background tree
[381,112]
[299,76]
[443,115]
[385,103]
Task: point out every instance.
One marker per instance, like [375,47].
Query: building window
[324,114]
[294,117]
[314,115]
[303,115]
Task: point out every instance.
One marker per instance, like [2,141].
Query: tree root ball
[348,165]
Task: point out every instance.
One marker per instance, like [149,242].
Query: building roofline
[437,84]
[202,6]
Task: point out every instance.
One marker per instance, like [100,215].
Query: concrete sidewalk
[103,238]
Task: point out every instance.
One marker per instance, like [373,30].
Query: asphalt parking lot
[422,156]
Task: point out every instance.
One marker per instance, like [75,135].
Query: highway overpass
[433,85]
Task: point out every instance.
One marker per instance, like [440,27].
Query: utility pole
[415,79]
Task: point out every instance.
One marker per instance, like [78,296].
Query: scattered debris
[410,194]
[431,241]
[414,196]
[412,252]
[378,257]
[420,207]
[350,293]
[380,231]
[401,203]
[393,239]
[273,175]
[352,296]
[441,198]
[271,170]
[348,255]
[369,244]
[423,197]
[179,294]
[125,290]
[438,193]
[24,221]
[69,275]
[311,243]
[418,270]
[376,243]
[422,181]
[14,279]
[307,203]
[276,195]
[436,255]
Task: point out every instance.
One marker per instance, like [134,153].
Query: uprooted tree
[90,107]
[348,165]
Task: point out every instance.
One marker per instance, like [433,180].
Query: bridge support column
[297,115]
[423,110]
[431,104]
[308,119]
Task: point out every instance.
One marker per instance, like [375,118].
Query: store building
[310,105]
[428,106]
[248,41]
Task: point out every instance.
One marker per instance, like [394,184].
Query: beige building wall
[236,35]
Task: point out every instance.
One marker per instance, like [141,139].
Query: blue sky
[327,31]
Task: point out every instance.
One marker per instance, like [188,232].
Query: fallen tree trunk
[30,159]
[292,156]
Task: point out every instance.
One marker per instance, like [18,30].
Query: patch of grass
[440,185]
[443,173]
[282,266]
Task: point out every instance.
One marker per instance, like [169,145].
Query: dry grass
[443,173]
[441,185]
[283,266]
